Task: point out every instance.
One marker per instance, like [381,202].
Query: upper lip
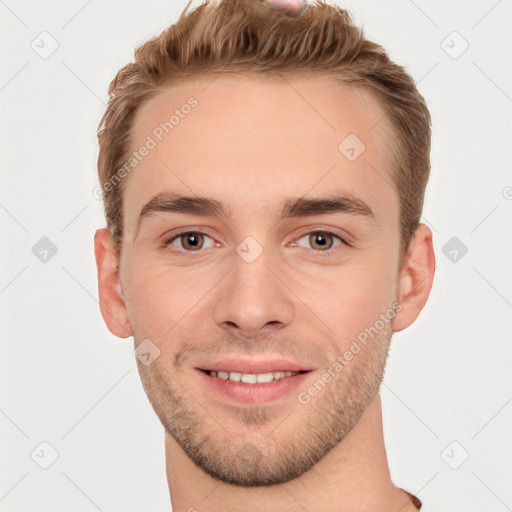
[242,365]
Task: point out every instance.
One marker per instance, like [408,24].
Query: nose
[253,300]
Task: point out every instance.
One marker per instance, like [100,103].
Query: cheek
[157,297]
[351,299]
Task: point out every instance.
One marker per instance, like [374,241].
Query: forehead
[252,142]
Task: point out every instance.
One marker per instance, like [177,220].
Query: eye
[190,241]
[322,241]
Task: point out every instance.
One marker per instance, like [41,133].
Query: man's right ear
[112,305]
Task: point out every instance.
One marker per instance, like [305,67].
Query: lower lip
[252,393]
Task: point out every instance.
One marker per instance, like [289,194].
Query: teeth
[264,377]
[251,378]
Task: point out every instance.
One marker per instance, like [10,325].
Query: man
[263,176]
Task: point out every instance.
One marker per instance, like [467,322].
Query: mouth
[251,388]
[252,378]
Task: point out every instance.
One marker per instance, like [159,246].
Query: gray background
[66,381]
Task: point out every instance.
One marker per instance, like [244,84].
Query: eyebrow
[293,207]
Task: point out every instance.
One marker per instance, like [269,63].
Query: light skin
[251,144]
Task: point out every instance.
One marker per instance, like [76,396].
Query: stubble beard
[262,445]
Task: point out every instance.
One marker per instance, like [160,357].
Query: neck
[353,476]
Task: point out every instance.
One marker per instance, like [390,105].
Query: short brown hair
[245,36]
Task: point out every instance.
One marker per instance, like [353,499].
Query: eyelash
[326,253]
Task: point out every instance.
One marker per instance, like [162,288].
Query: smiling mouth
[252,378]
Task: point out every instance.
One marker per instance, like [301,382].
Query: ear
[112,306]
[416,277]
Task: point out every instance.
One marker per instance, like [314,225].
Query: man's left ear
[415,278]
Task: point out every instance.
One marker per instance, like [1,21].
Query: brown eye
[322,243]
[321,240]
[190,241]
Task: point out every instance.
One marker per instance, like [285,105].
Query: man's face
[210,296]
